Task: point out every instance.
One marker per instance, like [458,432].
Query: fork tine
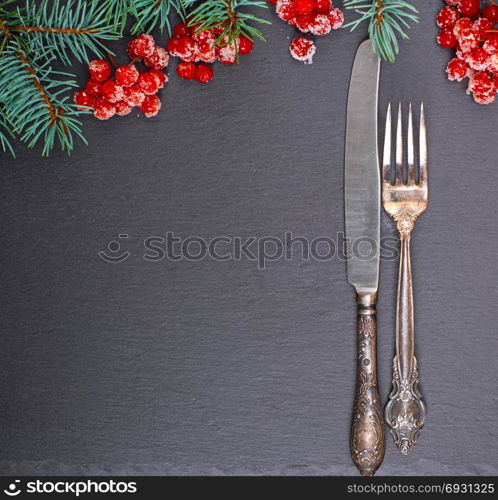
[399,148]
[423,149]
[386,161]
[411,156]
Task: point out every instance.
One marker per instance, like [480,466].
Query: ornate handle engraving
[367,430]
[405,411]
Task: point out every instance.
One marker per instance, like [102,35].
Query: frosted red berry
[103,109]
[336,17]
[285,10]
[447,17]
[186,48]
[469,7]
[478,59]
[148,83]
[204,73]
[94,88]
[161,77]
[150,106]
[303,6]
[99,69]
[321,25]
[112,91]
[159,59]
[322,6]
[446,38]
[302,50]
[205,52]
[493,63]
[303,21]
[172,46]
[133,95]
[491,12]
[245,45]
[486,98]
[203,36]
[480,83]
[142,46]
[491,43]
[227,54]
[481,27]
[457,69]
[186,70]
[127,75]
[462,27]
[181,29]
[122,108]
[82,98]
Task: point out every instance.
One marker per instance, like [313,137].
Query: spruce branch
[149,14]
[227,14]
[387,20]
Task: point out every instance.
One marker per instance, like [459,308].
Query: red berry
[103,109]
[173,46]
[286,11]
[205,52]
[142,46]
[481,27]
[180,30]
[273,2]
[469,7]
[493,64]
[322,6]
[158,60]
[481,83]
[491,12]
[491,44]
[462,27]
[478,59]
[446,38]
[204,73]
[148,83]
[486,98]
[447,17]
[186,70]
[159,76]
[126,76]
[203,36]
[99,70]
[112,91]
[303,21]
[122,108]
[227,54]
[93,88]
[336,17]
[457,69]
[186,48]
[321,25]
[150,106]
[133,96]
[303,6]
[302,49]
[245,45]
[82,98]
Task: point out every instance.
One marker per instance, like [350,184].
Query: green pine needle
[387,21]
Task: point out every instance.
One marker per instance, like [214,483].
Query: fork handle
[405,411]
[367,431]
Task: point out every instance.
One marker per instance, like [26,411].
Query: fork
[405,200]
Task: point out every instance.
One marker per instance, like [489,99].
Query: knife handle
[367,429]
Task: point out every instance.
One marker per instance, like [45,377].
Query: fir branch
[387,20]
[34,103]
[72,29]
[227,15]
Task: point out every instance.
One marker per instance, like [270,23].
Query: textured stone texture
[218,367]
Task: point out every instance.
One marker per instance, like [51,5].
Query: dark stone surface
[212,367]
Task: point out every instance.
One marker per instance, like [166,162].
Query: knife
[362,214]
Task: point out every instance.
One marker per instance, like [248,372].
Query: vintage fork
[405,201]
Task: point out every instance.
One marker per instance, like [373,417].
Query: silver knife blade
[362,177]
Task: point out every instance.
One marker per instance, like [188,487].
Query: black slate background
[218,367]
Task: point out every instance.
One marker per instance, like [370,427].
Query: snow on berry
[103,109]
[336,17]
[491,44]
[484,98]
[161,77]
[148,83]
[303,21]
[205,52]
[133,96]
[447,39]
[122,108]
[82,98]
[112,91]
[302,50]
[285,11]
[457,69]
[321,25]
[204,73]
[99,70]
[186,49]
[462,27]
[227,53]
[447,17]
[481,27]
[150,106]
[480,83]
[127,75]
[142,46]
[493,63]
[159,59]
[478,59]
[203,36]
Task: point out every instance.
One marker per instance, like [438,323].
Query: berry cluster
[468,30]
[130,87]
[202,46]
[316,17]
